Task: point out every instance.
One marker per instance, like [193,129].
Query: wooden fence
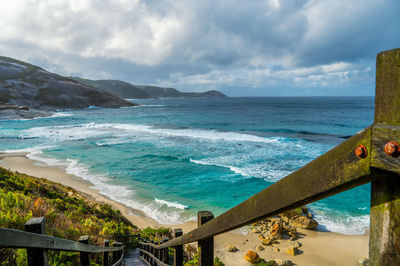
[371,155]
[37,243]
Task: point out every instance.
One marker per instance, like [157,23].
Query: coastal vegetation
[69,214]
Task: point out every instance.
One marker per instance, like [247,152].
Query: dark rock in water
[126,90]
[31,87]
[11,112]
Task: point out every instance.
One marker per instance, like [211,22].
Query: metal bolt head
[361,151]
[392,148]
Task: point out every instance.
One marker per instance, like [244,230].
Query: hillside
[129,91]
[23,84]
[121,88]
[68,215]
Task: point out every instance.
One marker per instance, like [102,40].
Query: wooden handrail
[128,236]
[156,260]
[119,261]
[11,238]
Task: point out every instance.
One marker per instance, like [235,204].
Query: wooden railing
[37,243]
[371,155]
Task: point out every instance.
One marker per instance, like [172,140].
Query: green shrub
[68,215]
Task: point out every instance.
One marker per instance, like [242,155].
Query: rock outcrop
[284,227]
[10,112]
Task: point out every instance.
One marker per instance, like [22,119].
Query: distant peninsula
[28,91]
[129,91]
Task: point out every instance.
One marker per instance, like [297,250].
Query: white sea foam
[348,225]
[247,170]
[92,129]
[54,115]
[61,114]
[31,150]
[171,204]
[190,133]
[155,209]
[234,169]
[195,133]
[143,105]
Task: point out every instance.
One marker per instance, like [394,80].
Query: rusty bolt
[392,148]
[361,151]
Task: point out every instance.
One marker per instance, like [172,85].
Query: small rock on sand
[283,262]
[291,251]
[294,243]
[231,248]
[259,248]
[363,261]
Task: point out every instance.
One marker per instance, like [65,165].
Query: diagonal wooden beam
[335,171]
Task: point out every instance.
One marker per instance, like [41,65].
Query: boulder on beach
[291,250]
[304,222]
[231,248]
[251,257]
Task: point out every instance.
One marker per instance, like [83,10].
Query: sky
[242,48]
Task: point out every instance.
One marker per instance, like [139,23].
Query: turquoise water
[173,157]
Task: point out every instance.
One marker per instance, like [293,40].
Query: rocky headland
[28,91]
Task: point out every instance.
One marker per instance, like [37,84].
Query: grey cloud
[228,45]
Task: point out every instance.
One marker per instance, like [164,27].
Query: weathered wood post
[157,251]
[115,253]
[178,254]
[148,248]
[206,246]
[84,256]
[384,243]
[164,252]
[152,252]
[120,252]
[105,253]
[37,256]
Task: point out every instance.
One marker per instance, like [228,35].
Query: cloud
[198,45]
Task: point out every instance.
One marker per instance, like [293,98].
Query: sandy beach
[318,248]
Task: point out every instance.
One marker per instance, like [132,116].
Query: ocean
[172,157]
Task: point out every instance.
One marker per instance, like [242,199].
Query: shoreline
[318,248]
